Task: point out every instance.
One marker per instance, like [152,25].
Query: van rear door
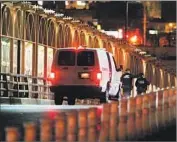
[66,67]
[86,66]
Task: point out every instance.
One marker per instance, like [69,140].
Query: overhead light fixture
[81,3]
[37,7]
[59,14]
[66,3]
[49,11]
[40,3]
[26,2]
[2,5]
[67,18]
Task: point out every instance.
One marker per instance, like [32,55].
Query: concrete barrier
[127,120]
[25,101]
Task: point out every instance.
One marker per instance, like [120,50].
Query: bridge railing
[24,86]
[126,119]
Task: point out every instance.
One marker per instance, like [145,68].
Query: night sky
[116,9]
[169,10]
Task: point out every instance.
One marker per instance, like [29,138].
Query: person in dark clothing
[141,84]
[126,80]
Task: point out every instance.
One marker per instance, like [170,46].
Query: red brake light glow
[52,75]
[99,75]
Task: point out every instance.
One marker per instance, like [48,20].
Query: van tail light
[99,75]
[52,75]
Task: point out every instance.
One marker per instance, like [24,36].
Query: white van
[84,73]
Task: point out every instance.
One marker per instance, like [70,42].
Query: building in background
[77,4]
[153,9]
[110,16]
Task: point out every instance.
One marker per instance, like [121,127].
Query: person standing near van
[126,80]
[141,84]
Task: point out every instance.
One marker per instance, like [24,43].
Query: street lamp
[126,21]
[126,17]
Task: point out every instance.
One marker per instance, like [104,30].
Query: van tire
[71,101]
[58,100]
[104,98]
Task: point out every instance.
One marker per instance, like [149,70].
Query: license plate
[84,75]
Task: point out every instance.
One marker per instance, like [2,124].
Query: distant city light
[40,3]
[112,33]
[59,14]
[120,33]
[171,24]
[81,3]
[134,39]
[66,3]
[153,32]
[120,30]
[98,27]
[49,11]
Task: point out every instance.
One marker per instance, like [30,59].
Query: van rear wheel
[103,100]
[58,99]
[104,97]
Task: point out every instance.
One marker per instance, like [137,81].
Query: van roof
[67,48]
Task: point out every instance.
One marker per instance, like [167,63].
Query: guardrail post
[159,112]
[105,113]
[104,132]
[114,107]
[92,117]
[145,114]
[45,130]
[60,127]
[82,125]
[92,134]
[122,125]
[82,118]
[165,98]
[138,115]
[131,131]
[30,132]
[152,100]
[139,102]
[113,121]
[82,134]
[138,123]
[12,134]
[71,126]
[171,105]
[152,110]
[160,100]
[174,103]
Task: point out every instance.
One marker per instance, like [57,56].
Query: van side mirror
[118,69]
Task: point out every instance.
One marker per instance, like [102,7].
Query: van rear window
[66,58]
[85,58]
